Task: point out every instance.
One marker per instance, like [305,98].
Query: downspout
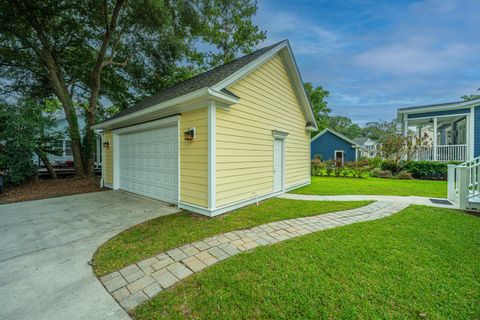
[99,132]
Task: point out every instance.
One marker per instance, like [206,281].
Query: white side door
[278,165]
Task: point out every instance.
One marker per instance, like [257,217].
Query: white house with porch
[452,129]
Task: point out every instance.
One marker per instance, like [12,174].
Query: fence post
[451,192]
[463,186]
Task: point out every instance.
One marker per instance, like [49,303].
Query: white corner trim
[471,134]
[179,137]
[212,152]
[116,160]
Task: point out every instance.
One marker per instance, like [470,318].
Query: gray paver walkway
[396,199]
[139,282]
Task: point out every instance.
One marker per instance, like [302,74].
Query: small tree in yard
[26,130]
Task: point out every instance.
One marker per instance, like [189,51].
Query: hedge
[428,169]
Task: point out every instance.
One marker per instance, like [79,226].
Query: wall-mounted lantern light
[189,134]
[106,144]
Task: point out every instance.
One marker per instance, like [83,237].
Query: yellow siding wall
[107,162]
[194,158]
[244,135]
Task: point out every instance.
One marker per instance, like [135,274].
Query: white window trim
[335,155]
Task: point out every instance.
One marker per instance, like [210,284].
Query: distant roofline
[445,104]
[435,107]
[341,136]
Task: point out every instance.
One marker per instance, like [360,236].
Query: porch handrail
[464,182]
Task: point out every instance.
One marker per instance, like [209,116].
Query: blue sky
[375,56]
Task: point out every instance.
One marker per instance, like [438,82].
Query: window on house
[68,148]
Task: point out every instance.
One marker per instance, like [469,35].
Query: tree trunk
[61,91]
[47,164]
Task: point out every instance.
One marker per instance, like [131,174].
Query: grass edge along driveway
[421,263]
[164,233]
[374,186]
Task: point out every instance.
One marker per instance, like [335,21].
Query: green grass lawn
[164,233]
[422,263]
[394,187]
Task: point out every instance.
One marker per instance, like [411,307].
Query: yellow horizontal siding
[244,141]
[194,158]
[107,161]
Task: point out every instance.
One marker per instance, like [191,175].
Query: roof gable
[341,136]
[218,79]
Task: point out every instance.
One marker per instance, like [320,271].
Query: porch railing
[456,152]
[464,182]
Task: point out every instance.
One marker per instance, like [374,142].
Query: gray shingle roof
[203,80]
[360,140]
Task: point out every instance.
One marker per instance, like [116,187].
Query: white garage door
[149,163]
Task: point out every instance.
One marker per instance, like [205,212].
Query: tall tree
[230,28]
[380,130]
[471,96]
[85,52]
[320,107]
[345,126]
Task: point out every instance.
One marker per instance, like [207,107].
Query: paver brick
[135,276]
[164,277]
[134,300]
[179,270]
[115,283]
[147,262]
[129,270]
[194,264]
[162,263]
[121,294]
[152,289]
[139,284]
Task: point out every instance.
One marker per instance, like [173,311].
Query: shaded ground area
[421,263]
[368,185]
[164,233]
[48,188]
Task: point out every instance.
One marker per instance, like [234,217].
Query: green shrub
[392,166]
[375,162]
[379,173]
[317,167]
[358,168]
[404,175]
[434,170]
[17,163]
[329,166]
[338,168]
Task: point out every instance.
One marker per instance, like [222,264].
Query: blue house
[451,130]
[331,145]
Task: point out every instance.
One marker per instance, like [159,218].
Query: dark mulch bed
[47,188]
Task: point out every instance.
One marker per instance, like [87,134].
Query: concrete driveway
[45,247]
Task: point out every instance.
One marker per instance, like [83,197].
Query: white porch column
[405,127]
[435,138]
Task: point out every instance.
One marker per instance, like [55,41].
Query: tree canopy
[88,54]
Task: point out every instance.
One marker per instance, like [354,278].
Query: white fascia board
[404,111]
[201,94]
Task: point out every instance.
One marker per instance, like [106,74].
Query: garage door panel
[149,163]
